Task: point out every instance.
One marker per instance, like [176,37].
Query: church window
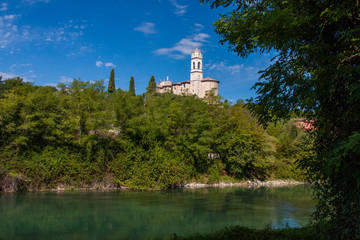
[198,65]
[193,65]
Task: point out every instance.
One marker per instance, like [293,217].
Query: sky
[54,41]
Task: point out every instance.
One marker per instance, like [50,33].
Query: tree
[316,71]
[8,84]
[111,87]
[152,85]
[132,87]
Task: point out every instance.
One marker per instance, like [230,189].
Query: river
[145,215]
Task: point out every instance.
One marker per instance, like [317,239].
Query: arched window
[193,65]
[198,65]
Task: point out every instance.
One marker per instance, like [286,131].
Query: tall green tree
[152,85]
[132,87]
[316,70]
[111,86]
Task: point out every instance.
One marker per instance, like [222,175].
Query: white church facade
[197,84]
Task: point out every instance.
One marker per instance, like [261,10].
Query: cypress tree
[152,85]
[111,87]
[132,87]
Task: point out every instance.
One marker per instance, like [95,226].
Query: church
[197,84]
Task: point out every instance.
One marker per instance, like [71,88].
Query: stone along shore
[248,184]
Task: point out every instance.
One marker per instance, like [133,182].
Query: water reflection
[139,215]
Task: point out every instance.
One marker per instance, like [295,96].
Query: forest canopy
[79,134]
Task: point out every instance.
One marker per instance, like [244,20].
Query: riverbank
[247,184]
[191,185]
[10,184]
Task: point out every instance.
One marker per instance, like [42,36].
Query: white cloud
[201,37]
[51,84]
[7,75]
[222,66]
[27,77]
[146,28]
[99,63]
[35,1]
[11,16]
[198,27]
[110,64]
[184,47]
[11,33]
[3,6]
[180,9]
[79,51]
[8,30]
[66,32]
[19,66]
[64,79]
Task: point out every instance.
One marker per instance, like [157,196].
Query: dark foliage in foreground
[318,232]
[316,70]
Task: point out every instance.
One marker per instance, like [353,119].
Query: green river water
[145,215]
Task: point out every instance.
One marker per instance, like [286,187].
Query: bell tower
[196,72]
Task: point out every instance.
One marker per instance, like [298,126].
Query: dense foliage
[316,70]
[80,135]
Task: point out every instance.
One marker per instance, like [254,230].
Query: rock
[250,184]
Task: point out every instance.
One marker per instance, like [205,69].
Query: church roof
[209,80]
[197,50]
[164,83]
[181,83]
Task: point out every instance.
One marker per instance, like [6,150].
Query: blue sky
[52,41]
